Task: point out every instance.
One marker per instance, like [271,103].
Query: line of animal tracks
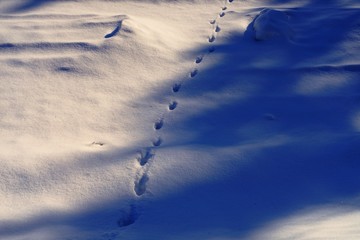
[146,156]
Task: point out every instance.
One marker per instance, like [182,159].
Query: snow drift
[168,120]
[272,23]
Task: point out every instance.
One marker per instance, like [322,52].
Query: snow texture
[271,24]
[179,119]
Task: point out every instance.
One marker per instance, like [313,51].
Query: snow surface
[271,24]
[171,120]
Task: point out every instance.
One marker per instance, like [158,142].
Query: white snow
[179,119]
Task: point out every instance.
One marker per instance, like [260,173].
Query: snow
[270,24]
[179,119]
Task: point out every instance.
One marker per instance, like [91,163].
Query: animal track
[128,216]
[140,185]
[173,105]
[199,59]
[176,87]
[157,142]
[212,39]
[194,73]
[159,124]
[145,156]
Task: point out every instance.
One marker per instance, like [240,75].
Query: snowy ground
[179,119]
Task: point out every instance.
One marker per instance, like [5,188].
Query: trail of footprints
[147,155]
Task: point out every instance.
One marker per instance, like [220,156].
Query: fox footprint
[145,156]
[173,105]
[159,124]
[140,185]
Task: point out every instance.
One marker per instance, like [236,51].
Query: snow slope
[179,119]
